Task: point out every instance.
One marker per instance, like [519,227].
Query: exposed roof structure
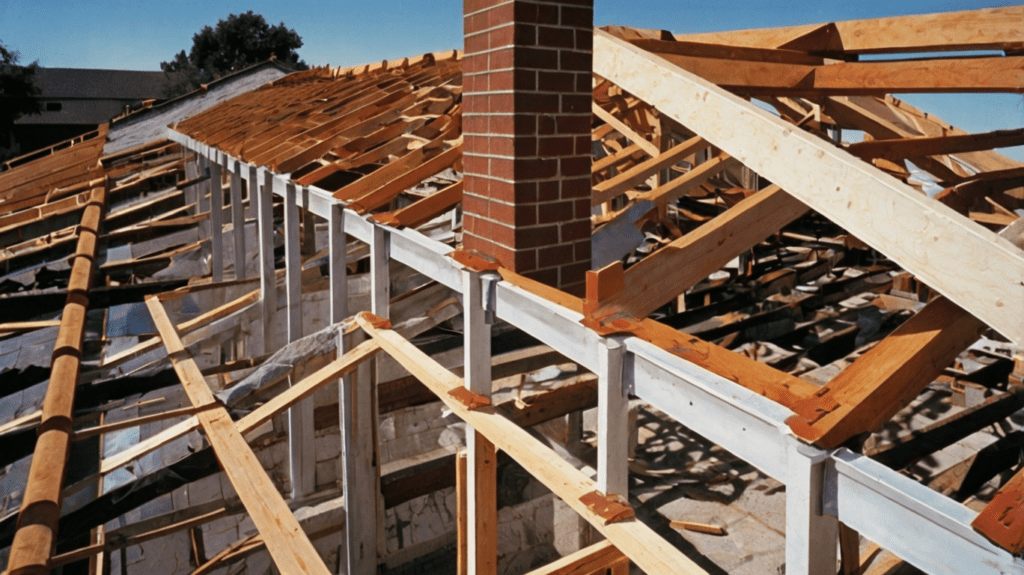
[811,305]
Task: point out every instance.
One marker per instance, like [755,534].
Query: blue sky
[138,35]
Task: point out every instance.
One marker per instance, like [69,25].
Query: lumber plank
[630,134]
[986,29]
[672,190]
[639,173]
[637,541]
[903,148]
[288,546]
[887,378]
[878,209]
[425,209]
[590,560]
[678,266]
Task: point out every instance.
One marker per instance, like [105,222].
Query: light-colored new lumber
[639,173]
[630,134]
[290,548]
[678,266]
[986,29]
[923,236]
[591,560]
[902,148]
[35,538]
[637,541]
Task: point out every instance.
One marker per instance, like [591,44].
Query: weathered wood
[884,380]
[621,127]
[639,173]
[903,148]
[633,538]
[290,548]
[840,187]
[36,535]
[986,29]
[597,558]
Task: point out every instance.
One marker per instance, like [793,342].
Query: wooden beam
[837,185]
[883,381]
[981,74]
[674,189]
[639,173]
[903,148]
[986,29]
[678,266]
[288,546]
[630,134]
[423,210]
[637,541]
[597,558]
[36,535]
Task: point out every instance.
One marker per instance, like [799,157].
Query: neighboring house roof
[148,124]
[100,84]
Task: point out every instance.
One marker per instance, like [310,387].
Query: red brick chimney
[526,121]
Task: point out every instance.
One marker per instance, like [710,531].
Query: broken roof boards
[382,138]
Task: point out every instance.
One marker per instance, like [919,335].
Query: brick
[534,168]
[549,191]
[476,43]
[539,58]
[584,81]
[536,236]
[501,14]
[503,234]
[581,250]
[555,212]
[574,166]
[584,40]
[576,230]
[576,188]
[470,6]
[476,205]
[475,104]
[525,12]
[547,124]
[500,37]
[503,168]
[525,34]
[524,261]
[556,81]
[548,276]
[573,124]
[525,214]
[554,256]
[547,14]
[581,209]
[525,79]
[556,146]
[577,61]
[475,124]
[536,103]
[556,37]
[582,17]
[575,273]
[497,81]
[474,63]
[479,185]
[474,164]
[502,59]
[575,104]
[476,144]
[583,145]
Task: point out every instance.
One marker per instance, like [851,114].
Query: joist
[985,29]
[982,74]
[667,193]
[596,558]
[877,209]
[425,209]
[639,173]
[290,548]
[678,266]
[630,134]
[881,382]
[903,148]
[634,539]
[35,539]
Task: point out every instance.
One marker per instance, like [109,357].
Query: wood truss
[753,209]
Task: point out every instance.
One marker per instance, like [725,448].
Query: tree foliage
[18,93]
[238,41]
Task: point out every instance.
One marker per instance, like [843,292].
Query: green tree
[238,41]
[18,93]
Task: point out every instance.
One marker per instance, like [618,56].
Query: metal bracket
[468,398]
[611,508]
